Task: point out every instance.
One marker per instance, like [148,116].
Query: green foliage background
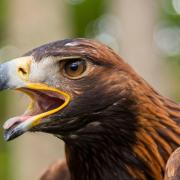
[171,18]
[85,13]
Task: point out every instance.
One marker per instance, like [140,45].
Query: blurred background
[145,33]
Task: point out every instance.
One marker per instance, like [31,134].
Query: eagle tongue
[13,121]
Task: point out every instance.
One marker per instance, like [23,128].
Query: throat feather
[126,145]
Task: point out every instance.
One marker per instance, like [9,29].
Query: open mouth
[46,101]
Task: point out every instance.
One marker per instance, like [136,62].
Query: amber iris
[74,68]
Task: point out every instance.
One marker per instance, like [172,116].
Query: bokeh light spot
[176,5]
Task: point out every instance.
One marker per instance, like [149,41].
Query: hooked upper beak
[15,74]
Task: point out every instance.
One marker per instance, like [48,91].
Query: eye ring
[74,68]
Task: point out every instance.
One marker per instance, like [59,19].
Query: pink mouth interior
[44,101]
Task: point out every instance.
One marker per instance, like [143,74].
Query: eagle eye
[74,68]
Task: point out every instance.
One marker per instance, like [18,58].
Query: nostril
[22,71]
[23,68]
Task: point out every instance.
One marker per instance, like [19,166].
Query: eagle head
[72,84]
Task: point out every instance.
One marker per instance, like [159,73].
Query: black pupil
[74,65]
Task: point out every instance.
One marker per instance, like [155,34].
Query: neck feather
[126,142]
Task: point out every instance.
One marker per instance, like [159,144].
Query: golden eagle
[114,124]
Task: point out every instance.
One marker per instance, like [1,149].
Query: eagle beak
[45,100]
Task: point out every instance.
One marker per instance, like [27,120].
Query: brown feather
[57,171]
[173,166]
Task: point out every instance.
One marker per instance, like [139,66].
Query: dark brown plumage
[116,125]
